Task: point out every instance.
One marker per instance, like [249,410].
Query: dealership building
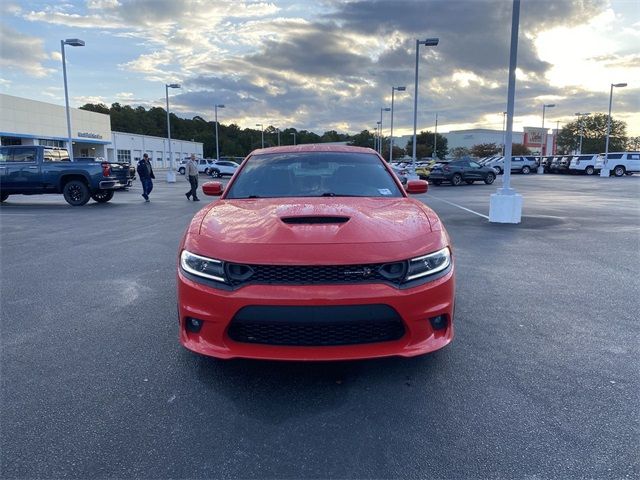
[31,122]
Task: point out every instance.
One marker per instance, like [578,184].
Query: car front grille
[316,325]
[314,274]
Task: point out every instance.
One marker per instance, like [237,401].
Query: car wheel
[498,170]
[489,178]
[102,196]
[3,196]
[456,180]
[526,170]
[215,173]
[437,182]
[619,171]
[469,182]
[181,170]
[589,170]
[76,193]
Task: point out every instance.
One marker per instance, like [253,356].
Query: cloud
[23,53]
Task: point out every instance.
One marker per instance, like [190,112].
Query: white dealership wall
[31,122]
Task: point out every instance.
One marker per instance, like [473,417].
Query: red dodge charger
[315,252]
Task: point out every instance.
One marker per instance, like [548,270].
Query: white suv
[583,164]
[620,163]
[223,167]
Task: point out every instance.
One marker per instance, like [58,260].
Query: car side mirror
[213,189]
[417,186]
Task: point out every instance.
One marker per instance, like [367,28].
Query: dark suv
[460,171]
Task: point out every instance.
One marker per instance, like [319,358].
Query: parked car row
[618,163]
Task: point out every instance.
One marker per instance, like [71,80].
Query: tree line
[238,142]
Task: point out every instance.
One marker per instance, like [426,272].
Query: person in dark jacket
[145,172]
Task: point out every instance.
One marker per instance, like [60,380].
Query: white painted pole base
[540,170]
[171,176]
[605,172]
[505,208]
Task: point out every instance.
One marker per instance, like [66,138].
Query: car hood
[376,229]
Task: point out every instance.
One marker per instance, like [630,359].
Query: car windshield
[313,174]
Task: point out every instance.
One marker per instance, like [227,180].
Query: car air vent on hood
[305,220]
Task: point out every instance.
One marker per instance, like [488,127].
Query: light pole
[604,171]
[294,137]
[393,89]
[74,42]
[278,130]
[429,42]
[385,109]
[262,127]
[435,138]
[217,142]
[543,143]
[504,132]
[171,173]
[379,134]
[555,138]
[581,120]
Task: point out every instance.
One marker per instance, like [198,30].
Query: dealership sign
[89,135]
[533,137]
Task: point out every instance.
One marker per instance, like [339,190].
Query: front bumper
[216,308]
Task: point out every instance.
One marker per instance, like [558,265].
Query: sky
[329,64]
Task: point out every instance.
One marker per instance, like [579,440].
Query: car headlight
[429,264]
[202,266]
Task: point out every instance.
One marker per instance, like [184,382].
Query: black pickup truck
[34,170]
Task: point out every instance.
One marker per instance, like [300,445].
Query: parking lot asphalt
[541,381]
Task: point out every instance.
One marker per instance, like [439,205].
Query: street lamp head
[378,122]
[74,42]
[173,85]
[220,106]
[400,89]
[550,105]
[259,124]
[386,109]
[578,114]
[619,84]
[430,42]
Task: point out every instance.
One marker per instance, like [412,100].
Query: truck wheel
[3,196]
[619,171]
[589,170]
[456,180]
[526,170]
[102,196]
[76,193]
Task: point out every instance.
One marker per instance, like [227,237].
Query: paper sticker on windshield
[384,191]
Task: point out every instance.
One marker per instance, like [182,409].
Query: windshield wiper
[331,194]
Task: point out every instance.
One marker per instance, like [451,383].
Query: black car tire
[619,171]
[456,180]
[489,179]
[469,182]
[76,193]
[102,196]
[181,170]
[3,196]
[437,182]
[215,173]
[498,170]
[526,170]
[589,170]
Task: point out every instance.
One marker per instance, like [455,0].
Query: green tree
[485,150]
[519,149]
[424,145]
[363,139]
[594,128]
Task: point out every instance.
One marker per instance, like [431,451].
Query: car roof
[314,147]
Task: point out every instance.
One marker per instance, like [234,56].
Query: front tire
[526,170]
[619,171]
[215,173]
[103,196]
[589,170]
[456,180]
[489,178]
[76,193]
[498,170]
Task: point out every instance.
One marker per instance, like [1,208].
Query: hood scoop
[314,220]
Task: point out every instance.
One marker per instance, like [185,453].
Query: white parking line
[459,206]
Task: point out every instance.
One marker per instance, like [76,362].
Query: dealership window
[10,141]
[51,143]
[124,156]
